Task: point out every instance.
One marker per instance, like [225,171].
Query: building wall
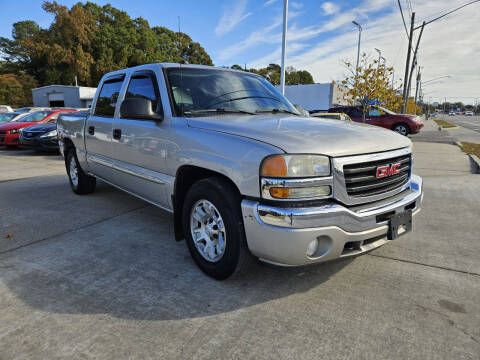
[77,97]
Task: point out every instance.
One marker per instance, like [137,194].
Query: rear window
[107,100]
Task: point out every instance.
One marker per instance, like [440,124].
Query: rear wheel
[213,228]
[80,182]
[402,129]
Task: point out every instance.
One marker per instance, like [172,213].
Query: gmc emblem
[384,171]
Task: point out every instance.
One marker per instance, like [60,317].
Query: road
[469,122]
[100,276]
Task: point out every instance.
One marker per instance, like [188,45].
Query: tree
[16,90]
[369,85]
[87,40]
[272,74]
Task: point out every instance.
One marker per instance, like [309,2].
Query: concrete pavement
[101,276]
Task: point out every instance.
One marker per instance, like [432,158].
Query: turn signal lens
[274,166]
[280,193]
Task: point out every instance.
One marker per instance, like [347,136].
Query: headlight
[292,177]
[15,131]
[295,166]
[49,134]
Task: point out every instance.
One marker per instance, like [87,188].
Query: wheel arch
[186,176]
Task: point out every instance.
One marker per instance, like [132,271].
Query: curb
[474,160]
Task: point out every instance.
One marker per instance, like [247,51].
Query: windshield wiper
[219,111]
[275,111]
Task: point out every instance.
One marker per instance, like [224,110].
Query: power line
[403,18]
[448,13]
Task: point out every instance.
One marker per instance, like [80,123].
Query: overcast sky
[320,34]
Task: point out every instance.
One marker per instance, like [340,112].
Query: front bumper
[10,139]
[281,235]
[50,143]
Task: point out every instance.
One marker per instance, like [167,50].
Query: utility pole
[407,65]
[419,76]
[358,46]
[414,62]
[284,46]
[379,57]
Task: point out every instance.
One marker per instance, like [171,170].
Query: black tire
[84,184]
[401,129]
[236,256]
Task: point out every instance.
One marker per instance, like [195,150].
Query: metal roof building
[63,96]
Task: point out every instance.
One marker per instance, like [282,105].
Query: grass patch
[471,148]
[445,124]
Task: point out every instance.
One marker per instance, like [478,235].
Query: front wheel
[402,129]
[80,182]
[213,227]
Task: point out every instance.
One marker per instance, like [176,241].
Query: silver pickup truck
[242,171]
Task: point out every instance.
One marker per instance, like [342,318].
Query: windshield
[35,117]
[6,117]
[204,91]
[387,111]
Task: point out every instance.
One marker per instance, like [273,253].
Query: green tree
[16,90]
[88,40]
[292,76]
[370,84]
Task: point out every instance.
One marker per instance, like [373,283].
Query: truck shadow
[130,267]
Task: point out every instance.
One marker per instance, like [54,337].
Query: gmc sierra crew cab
[242,171]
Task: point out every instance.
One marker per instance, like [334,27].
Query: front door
[98,132]
[139,146]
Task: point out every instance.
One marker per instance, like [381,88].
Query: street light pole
[358,47]
[379,57]
[284,46]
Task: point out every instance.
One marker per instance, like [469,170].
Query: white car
[451,113]
[468,113]
[5,108]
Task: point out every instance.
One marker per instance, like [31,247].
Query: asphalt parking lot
[101,276]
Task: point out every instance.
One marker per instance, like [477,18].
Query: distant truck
[316,97]
[242,171]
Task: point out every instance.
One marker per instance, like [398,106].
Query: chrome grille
[361,179]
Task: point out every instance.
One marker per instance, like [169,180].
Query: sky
[320,35]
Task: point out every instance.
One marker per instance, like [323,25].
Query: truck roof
[171,65]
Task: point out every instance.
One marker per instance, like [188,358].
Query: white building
[63,96]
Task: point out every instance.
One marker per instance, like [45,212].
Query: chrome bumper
[281,235]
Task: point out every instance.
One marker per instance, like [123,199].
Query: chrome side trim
[99,159]
[140,172]
[339,187]
[267,183]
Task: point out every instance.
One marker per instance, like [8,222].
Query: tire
[402,129]
[80,182]
[220,259]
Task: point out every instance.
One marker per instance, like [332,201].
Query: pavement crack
[73,229]
[427,265]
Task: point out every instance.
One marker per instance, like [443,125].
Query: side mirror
[139,108]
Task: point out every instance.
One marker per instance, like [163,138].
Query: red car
[10,132]
[402,123]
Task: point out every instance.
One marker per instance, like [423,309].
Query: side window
[374,112]
[354,112]
[144,86]
[107,100]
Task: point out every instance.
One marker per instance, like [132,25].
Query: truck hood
[295,134]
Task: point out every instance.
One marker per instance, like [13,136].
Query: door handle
[91,130]
[117,134]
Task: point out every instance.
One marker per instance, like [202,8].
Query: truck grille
[361,179]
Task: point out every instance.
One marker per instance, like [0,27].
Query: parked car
[31,109]
[10,132]
[403,124]
[44,136]
[10,116]
[336,116]
[451,113]
[242,171]
[468,113]
[5,108]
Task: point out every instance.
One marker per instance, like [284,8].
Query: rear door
[139,146]
[98,131]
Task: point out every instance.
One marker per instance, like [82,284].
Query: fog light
[312,247]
